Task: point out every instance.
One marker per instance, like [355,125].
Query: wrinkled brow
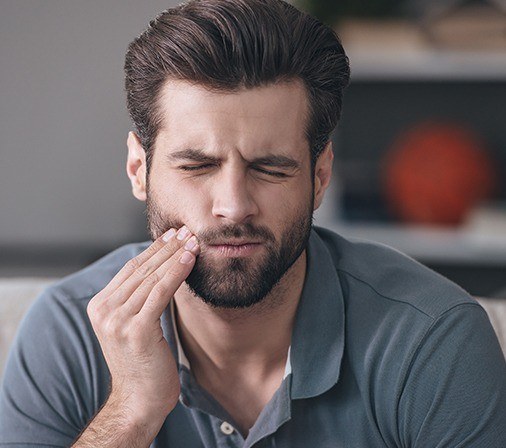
[197,155]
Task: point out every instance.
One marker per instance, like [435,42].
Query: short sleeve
[55,377]
[455,390]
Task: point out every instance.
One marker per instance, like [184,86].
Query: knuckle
[174,271]
[158,290]
[168,249]
[142,271]
[94,309]
[151,280]
[133,264]
[114,329]
[122,291]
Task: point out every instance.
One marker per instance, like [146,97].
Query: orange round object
[436,173]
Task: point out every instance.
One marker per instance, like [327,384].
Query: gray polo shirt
[384,353]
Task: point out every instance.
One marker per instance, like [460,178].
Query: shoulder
[93,278]
[375,272]
[392,302]
[58,315]
[413,337]
[66,300]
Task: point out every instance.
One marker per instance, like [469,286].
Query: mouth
[235,248]
[235,242]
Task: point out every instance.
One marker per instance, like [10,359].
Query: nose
[233,199]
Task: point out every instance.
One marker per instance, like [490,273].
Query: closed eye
[209,165]
[195,167]
[271,173]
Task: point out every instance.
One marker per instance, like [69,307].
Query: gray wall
[63,122]
[65,198]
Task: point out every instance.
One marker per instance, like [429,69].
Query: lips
[235,248]
[234,243]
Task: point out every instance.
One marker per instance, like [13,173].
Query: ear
[323,173]
[136,166]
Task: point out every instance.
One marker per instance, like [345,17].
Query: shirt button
[226,428]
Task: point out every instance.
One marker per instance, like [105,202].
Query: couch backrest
[17,294]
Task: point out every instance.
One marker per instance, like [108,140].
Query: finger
[134,264]
[146,274]
[138,298]
[164,290]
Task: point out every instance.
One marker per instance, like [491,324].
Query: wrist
[116,425]
[135,414]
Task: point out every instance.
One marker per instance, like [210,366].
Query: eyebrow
[197,155]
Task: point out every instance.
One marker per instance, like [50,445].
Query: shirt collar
[182,360]
[315,354]
[318,333]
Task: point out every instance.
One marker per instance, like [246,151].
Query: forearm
[116,427]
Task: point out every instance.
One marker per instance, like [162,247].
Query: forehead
[252,121]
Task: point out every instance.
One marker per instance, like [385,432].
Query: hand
[125,316]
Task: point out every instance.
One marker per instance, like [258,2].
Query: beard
[238,282]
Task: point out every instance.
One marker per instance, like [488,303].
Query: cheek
[281,205]
[175,201]
[179,193]
[190,202]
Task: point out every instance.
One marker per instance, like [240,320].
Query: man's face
[235,168]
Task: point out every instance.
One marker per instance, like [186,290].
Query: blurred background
[420,151]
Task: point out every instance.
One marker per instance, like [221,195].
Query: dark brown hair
[226,45]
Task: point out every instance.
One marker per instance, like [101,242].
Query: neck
[236,341]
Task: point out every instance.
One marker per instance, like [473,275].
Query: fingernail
[191,243]
[186,258]
[182,233]
[169,235]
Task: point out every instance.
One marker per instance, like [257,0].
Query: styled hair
[228,45]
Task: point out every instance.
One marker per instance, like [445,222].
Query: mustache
[243,231]
[239,231]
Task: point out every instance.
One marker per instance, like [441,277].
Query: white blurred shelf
[401,50]
[429,65]
[481,242]
[431,244]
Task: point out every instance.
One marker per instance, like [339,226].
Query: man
[242,325]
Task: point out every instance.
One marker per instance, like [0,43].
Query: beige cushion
[496,310]
[16,295]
